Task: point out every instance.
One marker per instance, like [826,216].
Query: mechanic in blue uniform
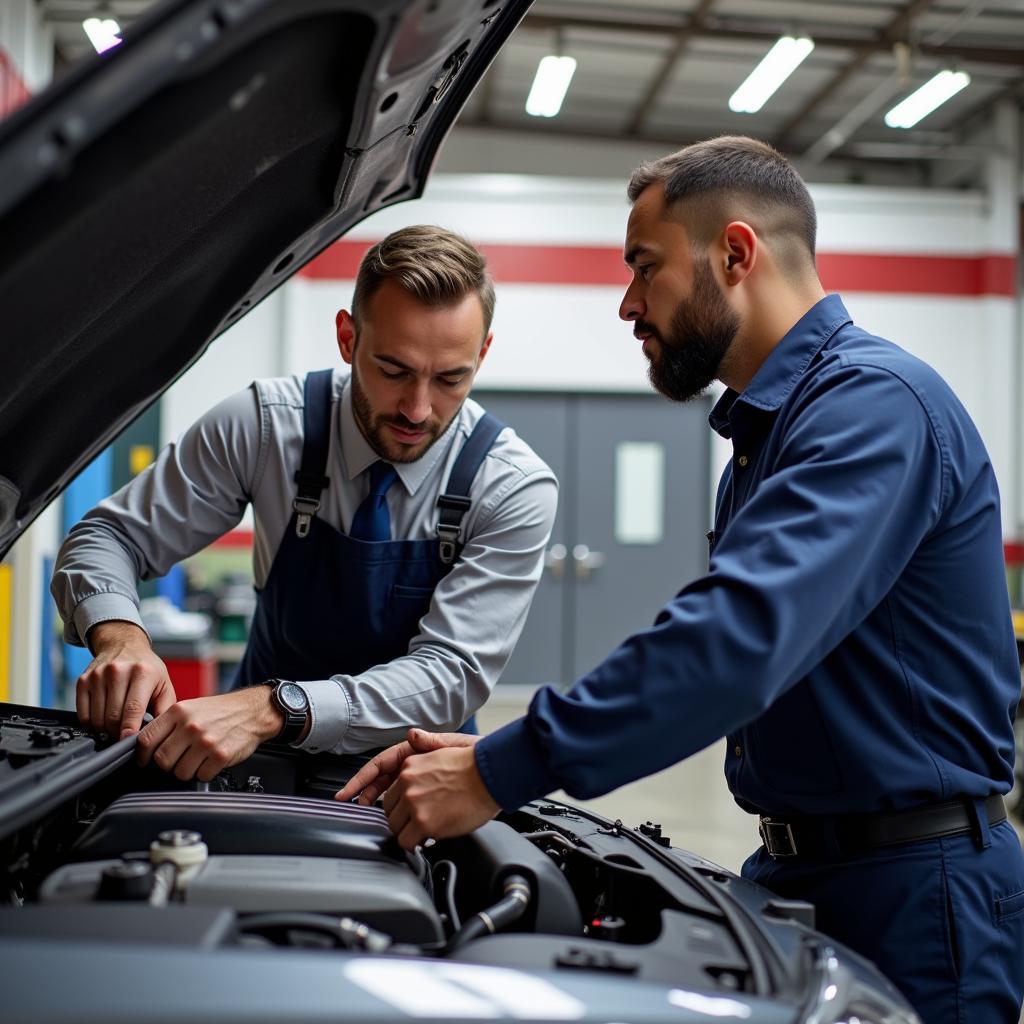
[399,534]
[852,637]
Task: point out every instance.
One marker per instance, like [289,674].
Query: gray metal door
[632,513]
[641,515]
[541,420]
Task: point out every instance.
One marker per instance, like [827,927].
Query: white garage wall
[251,349]
[27,41]
[565,337]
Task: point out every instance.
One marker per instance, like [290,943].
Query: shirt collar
[786,363]
[358,456]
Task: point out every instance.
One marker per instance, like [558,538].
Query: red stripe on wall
[240,538]
[919,275]
[510,264]
[13,91]
[1013,551]
[602,265]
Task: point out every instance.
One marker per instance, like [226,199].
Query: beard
[374,425]
[703,327]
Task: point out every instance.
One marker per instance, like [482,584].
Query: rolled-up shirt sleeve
[196,490]
[465,639]
[858,483]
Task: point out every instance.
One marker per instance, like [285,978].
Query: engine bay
[263,857]
[258,897]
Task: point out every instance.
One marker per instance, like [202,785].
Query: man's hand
[123,679]
[197,738]
[438,795]
[380,772]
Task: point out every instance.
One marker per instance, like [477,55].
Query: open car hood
[155,195]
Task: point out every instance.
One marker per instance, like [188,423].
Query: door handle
[554,560]
[586,561]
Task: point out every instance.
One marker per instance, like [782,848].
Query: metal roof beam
[759,32]
[837,135]
[940,146]
[668,65]
[893,32]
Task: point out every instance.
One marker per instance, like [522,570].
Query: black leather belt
[844,835]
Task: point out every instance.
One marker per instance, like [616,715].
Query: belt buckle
[777,837]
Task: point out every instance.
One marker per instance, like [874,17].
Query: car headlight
[840,998]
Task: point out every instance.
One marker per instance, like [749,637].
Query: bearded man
[852,637]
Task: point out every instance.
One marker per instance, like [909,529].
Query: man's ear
[485,348]
[346,328]
[740,251]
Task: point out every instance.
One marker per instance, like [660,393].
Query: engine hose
[421,866]
[450,873]
[349,933]
[165,876]
[516,897]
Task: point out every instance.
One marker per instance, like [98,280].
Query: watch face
[292,697]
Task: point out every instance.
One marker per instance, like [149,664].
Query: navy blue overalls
[333,604]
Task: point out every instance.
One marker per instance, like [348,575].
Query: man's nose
[415,403]
[632,306]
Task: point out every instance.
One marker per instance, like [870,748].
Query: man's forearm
[268,719]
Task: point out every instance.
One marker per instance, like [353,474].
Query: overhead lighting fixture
[550,85]
[775,67]
[103,33]
[932,94]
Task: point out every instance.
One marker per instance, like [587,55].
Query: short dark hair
[735,174]
[434,265]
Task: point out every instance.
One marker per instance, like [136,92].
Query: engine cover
[266,854]
[387,897]
[243,823]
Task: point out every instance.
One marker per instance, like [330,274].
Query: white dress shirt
[246,450]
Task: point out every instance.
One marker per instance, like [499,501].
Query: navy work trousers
[943,919]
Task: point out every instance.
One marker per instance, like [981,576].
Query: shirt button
[737,750]
[743,460]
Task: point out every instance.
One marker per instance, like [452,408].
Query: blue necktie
[372,520]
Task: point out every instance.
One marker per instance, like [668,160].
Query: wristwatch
[290,699]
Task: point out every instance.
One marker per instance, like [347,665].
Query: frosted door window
[639,492]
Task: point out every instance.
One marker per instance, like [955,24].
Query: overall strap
[455,503]
[316,425]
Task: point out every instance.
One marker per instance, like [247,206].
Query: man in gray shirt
[399,535]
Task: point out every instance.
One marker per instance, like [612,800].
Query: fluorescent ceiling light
[932,94]
[550,86]
[103,33]
[776,66]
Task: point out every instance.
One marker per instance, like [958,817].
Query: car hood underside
[152,197]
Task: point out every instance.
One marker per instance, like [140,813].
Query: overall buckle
[777,837]
[306,508]
[449,538]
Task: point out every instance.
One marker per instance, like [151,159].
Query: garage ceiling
[662,71]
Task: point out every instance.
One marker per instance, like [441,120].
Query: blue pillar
[91,486]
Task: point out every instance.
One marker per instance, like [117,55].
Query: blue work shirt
[852,636]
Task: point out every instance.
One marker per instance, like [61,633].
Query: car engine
[263,856]
[99,854]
